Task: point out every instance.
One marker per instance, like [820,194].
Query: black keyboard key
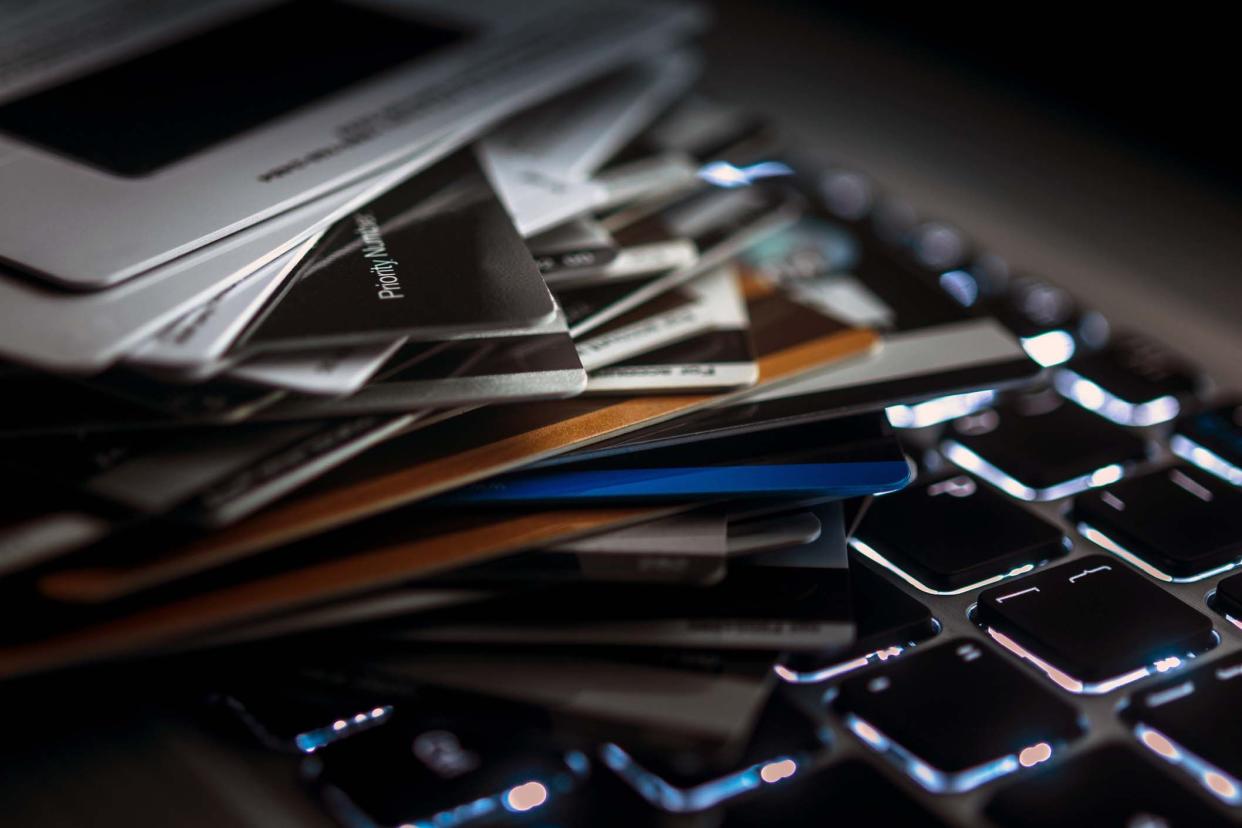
[849,793]
[956,715]
[1178,523]
[1040,447]
[785,742]
[1133,381]
[303,718]
[955,534]
[1228,599]
[492,763]
[1212,440]
[886,623]
[1048,322]
[1194,722]
[1111,787]
[1093,624]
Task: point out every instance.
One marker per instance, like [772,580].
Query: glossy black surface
[426,762]
[1111,787]
[1219,430]
[1181,520]
[955,532]
[957,706]
[1201,712]
[1041,441]
[1095,619]
[1136,369]
[1228,597]
[781,730]
[848,793]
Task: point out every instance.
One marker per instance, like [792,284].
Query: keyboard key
[849,793]
[1093,625]
[1133,381]
[492,764]
[948,536]
[1178,523]
[1212,440]
[1040,447]
[785,742]
[302,719]
[1193,722]
[1047,321]
[1110,787]
[956,715]
[886,622]
[1228,599]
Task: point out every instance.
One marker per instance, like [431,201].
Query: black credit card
[434,257]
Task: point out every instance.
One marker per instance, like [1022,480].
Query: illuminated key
[1111,786]
[302,718]
[847,793]
[1228,599]
[956,715]
[1193,722]
[955,534]
[784,743]
[1048,322]
[1177,523]
[1212,440]
[1040,447]
[1133,381]
[1093,625]
[485,764]
[887,623]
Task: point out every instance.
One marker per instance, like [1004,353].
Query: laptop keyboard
[1048,630]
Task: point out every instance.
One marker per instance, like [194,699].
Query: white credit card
[82,332]
[717,357]
[205,333]
[329,372]
[714,304]
[629,263]
[541,163]
[191,148]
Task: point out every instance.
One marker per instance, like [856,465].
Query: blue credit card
[844,458]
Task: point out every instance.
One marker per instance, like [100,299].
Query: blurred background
[1096,149]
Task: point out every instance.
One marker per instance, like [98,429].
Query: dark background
[1162,78]
[1096,151]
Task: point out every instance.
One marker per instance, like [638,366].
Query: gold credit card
[789,339]
[362,558]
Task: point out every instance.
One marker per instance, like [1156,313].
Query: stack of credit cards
[477,355]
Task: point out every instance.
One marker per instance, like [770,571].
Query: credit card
[433,257]
[195,109]
[201,337]
[205,476]
[720,223]
[773,603]
[466,449]
[582,242]
[332,372]
[719,358]
[86,332]
[639,552]
[932,346]
[541,162]
[668,318]
[833,459]
[382,553]
[453,374]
